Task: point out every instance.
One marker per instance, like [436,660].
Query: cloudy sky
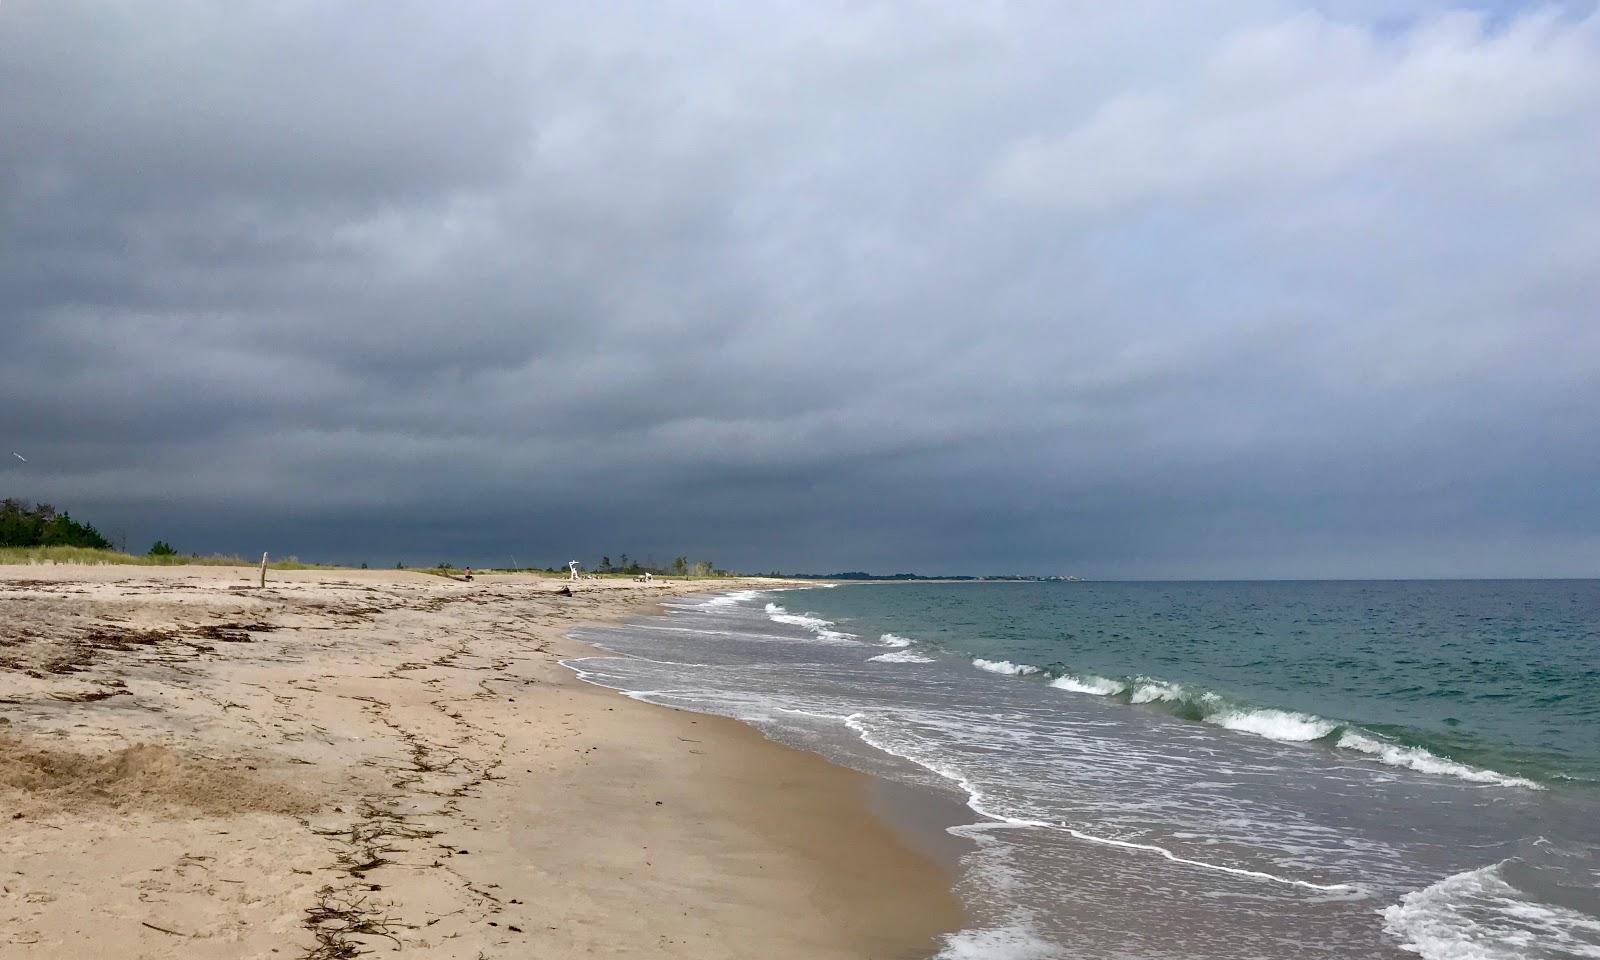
[1140,289]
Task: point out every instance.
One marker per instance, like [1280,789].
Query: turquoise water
[1204,771]
[1499,676]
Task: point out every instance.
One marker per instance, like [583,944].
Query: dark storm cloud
[1237,288]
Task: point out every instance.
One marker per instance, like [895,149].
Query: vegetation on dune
[88,555]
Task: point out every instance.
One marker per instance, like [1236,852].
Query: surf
[1270,723]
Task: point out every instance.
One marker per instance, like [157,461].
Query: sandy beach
[377,761]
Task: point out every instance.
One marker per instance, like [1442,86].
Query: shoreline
[921,817]
[360,759]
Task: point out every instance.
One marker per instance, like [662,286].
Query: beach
[353,761]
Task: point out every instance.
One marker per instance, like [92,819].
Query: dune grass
[91,557]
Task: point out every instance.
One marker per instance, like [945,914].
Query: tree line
[680,567]
[23,524]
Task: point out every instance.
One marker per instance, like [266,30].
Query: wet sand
[364,760]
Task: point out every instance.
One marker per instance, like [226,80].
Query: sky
[1218,288]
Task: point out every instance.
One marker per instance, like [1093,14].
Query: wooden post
[263,569]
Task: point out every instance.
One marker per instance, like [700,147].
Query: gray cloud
[1234,288]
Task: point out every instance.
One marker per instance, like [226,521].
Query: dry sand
[365,761]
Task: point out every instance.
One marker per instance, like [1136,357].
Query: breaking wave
[1147,690]
[1284,726]
[1423,761]
[1088,683]
[900,656]
[818,626]
[722,600]
[1479,915]
[778,614]
[1006,667]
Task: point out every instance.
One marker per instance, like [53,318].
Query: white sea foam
[978,803]
[900,656]
[778,614]
[1416,758]
[729,599]
[1274,724]
[1235,871]
[1014,942]
[1477,915]
[894,640]
[1006,667]
[594,678]
[796,711]
[817,625]
[1087,683]
[975,797]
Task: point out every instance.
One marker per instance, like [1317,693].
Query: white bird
[19,456]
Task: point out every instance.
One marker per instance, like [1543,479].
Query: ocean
[1195,770]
